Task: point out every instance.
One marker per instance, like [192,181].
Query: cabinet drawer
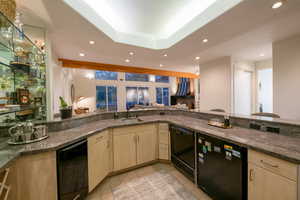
[275,165]
[163,127]
[98,137]
[134,129]
[164,151]
[164,137]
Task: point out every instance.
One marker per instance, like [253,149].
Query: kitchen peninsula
[277,149]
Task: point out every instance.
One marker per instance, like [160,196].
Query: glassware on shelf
[22,66]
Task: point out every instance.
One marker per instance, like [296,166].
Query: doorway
[265,90]
[243,92]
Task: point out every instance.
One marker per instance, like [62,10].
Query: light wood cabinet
[34,177]
[146,146]
[266,180]
[98,158]
[163,141]
[134,145]
[124,150]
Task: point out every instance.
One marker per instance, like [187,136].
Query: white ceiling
[244,32]
[151,24]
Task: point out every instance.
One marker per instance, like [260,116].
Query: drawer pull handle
[251,175]
[99,138]
[271,165]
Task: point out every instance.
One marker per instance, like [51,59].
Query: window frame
[106,97]
[162,95]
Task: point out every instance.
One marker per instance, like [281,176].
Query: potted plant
[65,110]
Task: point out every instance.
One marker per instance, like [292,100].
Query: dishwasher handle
[72,146]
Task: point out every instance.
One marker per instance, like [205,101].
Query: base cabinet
[271,178]
[33,177]
[134,145]
[98,158]
[146,146]
[265,185]
[163,141]
[124,150]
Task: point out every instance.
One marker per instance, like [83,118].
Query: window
[136,95]
[136,77]
[162,96]
[106,98]
[106,75]
[162,79]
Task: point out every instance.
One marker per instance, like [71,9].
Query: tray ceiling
[154,24]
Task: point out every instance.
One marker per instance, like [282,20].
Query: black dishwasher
[222,168]
[183,150]
[72,171]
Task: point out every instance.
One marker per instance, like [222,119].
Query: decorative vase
[66,113]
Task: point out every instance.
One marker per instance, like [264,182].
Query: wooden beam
[121,68]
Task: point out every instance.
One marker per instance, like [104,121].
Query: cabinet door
[124,151]
[266,185]
[146,146]
[33,177]
[98,159]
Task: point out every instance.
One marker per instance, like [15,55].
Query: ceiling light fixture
[127,60]
[165,55]
[261,55]
[197,58]
[161,65]
[81,54]
[131,53]
[205,40]
[92,42]
[277,4]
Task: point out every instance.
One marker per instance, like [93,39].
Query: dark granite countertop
[281,146]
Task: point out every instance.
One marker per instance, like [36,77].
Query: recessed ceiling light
[131,53]
[205,40]
[81,54]
[197,58]
[161,65]
[165,55]
[92,42]
[277,4]
[127,60]
[261,55]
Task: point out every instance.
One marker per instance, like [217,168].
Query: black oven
[183,150]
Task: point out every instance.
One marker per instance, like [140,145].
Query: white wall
[59,81]
[86,87]
[286,77]
[216,84]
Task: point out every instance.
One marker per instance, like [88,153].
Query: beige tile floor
[155,182]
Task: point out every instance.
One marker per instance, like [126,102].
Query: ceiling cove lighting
[205,40]
[150,24]
[81,54]
[277,4]
[127,60]
[92,42]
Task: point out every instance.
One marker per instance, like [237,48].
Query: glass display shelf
[22,75]
[19,109]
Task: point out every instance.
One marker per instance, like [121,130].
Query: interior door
[146,146]
[243,92]
[98,159]
[124,150]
